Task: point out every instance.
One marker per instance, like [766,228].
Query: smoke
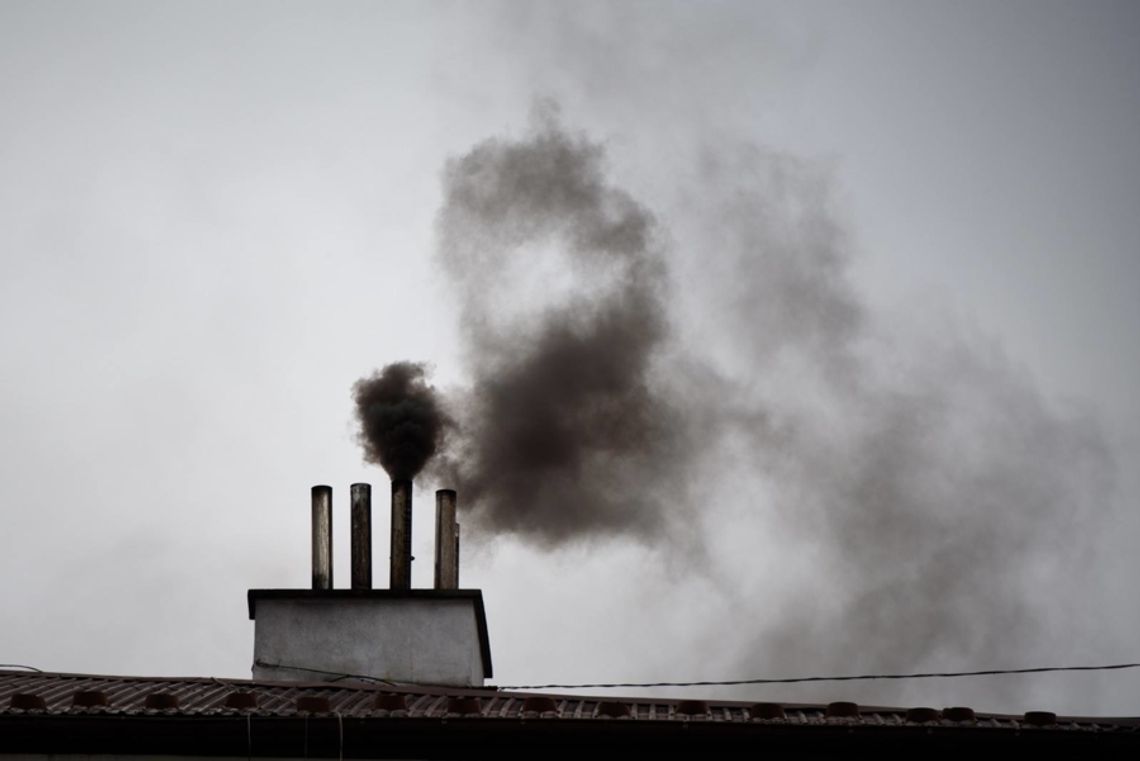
[944,504]
[940,498]
[567,432]
[401,421]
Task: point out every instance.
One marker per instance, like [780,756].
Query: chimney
[400,559]
[446,541]
[322,537]
[401,635]
[361,536]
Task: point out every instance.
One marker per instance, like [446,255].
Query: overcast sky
[905,235]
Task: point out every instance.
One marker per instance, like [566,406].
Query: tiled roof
[27,696]
[120,695]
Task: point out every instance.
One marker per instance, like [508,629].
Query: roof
[60,713]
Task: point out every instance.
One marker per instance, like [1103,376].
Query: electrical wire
[734,682]
[711,683]
[849,678]
[337,675]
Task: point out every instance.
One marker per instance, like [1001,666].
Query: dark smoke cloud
[566,431]
[942,499]
[401,421]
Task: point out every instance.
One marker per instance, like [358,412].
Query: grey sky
[214,217]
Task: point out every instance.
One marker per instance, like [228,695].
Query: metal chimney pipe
[446,541]
[322,537]
[361,536]
[400,559]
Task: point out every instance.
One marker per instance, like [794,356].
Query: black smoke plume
[401,421]
[567,432]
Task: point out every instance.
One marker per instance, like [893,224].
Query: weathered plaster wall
[422,641]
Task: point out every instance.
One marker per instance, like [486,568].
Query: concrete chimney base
[419,636]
